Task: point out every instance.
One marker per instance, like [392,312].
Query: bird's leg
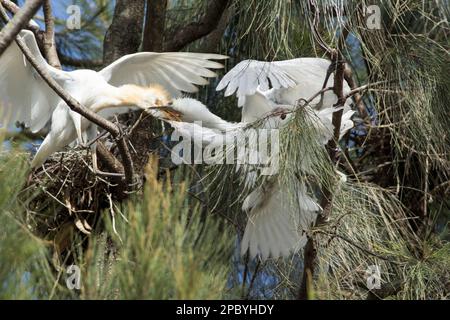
[92,133]
[330,70]
[95,168]
[76,118]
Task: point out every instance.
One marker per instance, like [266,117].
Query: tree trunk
[125,32]
[196,30]
[154,25]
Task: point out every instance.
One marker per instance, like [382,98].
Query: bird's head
[279,116]
[157,95]
[146,97]
[281,112]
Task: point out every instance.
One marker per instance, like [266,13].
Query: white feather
[291,80]
[276,221]
[256,107]
[177,72]
[275,224]
[24,96]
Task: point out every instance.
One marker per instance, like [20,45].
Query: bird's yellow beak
[168,113]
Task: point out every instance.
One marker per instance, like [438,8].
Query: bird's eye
[283,116]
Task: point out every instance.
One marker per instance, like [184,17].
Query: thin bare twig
[357,90]
[348,76]
[307,102]
[252,281]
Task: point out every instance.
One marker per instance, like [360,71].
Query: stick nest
[65,195]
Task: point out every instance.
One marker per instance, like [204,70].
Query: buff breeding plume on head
[142,80]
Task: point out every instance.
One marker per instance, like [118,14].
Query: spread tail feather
[276,222]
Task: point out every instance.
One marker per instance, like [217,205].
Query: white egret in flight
[278,214]
[276,219]
[140,80]
[281,82]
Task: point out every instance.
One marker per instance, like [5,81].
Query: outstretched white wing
[177,72]
[248,75]
[282,76]
[24,96]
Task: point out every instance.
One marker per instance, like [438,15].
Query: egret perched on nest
[140,80]
[276,224]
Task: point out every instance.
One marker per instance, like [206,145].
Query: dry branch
[50,52]
[32,26]
[17,23]
[14,8]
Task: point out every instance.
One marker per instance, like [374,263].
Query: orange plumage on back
[160,99]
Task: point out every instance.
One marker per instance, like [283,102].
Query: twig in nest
[113,219]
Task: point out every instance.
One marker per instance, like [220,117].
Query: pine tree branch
[211,42]
[338,61]
[124,35]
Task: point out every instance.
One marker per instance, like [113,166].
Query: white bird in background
[278,218]
[140,80]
